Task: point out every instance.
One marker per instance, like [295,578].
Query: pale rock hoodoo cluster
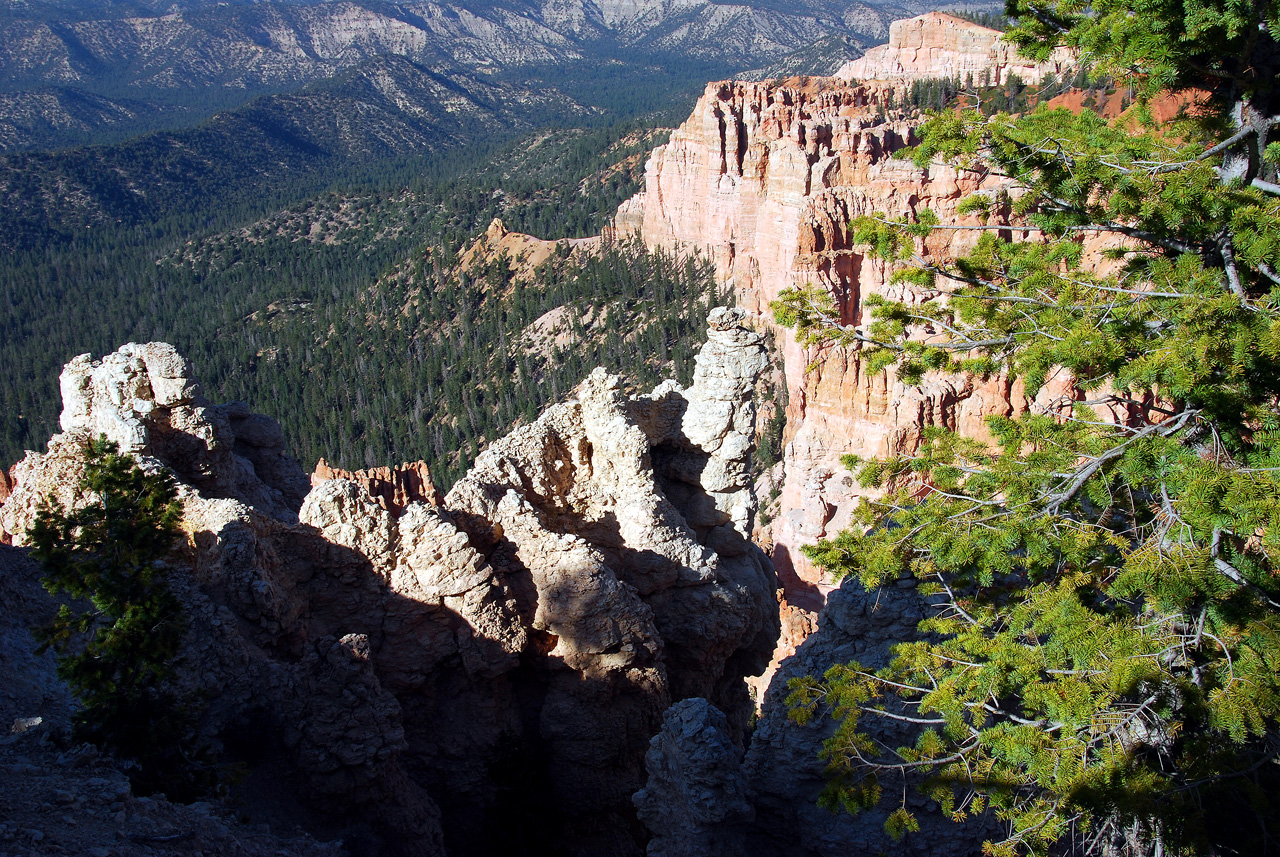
[143,399]
[459,677]
[391,487]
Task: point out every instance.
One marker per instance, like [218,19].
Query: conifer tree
[1102,667]
[117,643]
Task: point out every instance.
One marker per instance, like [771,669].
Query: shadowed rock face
[695,801]
[706,798]
[474,677]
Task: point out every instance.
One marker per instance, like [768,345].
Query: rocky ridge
[524,252]
[425,671]
[290,43]
[69,73]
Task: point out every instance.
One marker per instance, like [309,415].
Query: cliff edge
[763,178]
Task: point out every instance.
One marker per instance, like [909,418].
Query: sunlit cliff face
[764,178]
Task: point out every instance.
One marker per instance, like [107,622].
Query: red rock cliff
[764,178]
[392,488]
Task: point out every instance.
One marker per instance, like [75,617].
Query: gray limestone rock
[695,802]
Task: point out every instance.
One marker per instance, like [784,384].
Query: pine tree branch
[1266,187]
[921,721]
[1056,501]
[1229,265]
[1161,168]
[1141,234]
[1268,756]
[904,766]
[1232,573]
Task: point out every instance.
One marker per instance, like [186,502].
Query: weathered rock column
[721,416]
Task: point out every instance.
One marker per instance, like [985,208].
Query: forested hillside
[435,362]
[346,314]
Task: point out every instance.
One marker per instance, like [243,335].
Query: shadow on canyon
[390,703]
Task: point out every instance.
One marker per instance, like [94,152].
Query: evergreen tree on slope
[1102,670]
[117,645]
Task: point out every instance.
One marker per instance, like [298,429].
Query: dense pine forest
[347,315]
[291,213]
[436,361]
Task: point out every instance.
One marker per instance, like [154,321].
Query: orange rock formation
[525,252]
[392,488]
[764,178]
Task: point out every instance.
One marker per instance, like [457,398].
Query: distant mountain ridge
[385,108]
[278,44]
[68,69]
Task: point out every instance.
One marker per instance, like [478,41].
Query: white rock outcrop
[145,399]
[938,45]
[645,588]
[409,660]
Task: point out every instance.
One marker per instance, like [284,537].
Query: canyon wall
[764,178]
[472,678]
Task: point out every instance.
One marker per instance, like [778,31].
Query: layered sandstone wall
[391,487]
[764,178]
[936,45]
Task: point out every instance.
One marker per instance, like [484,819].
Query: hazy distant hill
[71,72]
[385,108]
